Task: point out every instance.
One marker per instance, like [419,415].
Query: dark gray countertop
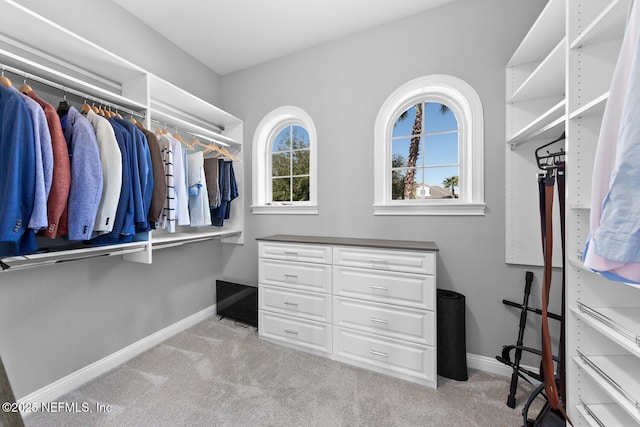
[348,241]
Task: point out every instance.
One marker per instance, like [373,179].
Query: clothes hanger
[25,87]
[63,106]
[227,154]
[196,142]
[199,144]
[160,131]
[549,161]
[4,80]
[211,148]
[177,136]
[85,107]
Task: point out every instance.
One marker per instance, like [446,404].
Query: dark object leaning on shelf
[519,348]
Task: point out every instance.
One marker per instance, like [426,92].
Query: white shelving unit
[602,317]
[42,51]
[536,108]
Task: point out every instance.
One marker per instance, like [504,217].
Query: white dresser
[366,302]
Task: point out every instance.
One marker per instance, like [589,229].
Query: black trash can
[452,347]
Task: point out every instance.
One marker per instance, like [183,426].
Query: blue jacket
[86,175]
[17,175]
[123,226]
[144,173]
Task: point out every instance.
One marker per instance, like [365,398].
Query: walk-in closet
[318,214]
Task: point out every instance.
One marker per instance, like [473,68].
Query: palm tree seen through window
[425,153]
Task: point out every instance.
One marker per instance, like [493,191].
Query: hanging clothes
[180,181]
[159,193]
[613,246]
[124,226]
[168,220]
[17,177]
[228,192]
[111,160]
[199,212]
[213,182]
[61,174]
[86,174]
[135,210]
[43,165]
[144,174]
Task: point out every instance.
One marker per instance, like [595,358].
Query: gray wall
[342,86]
[61,318]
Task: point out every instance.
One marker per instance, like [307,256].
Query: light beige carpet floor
[219,374]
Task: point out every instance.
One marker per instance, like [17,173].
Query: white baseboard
[491,365]
[74,380]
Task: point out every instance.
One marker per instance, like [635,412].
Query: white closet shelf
[38,70]
[547,79]
[620,324]
[19,23]
[549,121]
[179,239]
[580,206]
[608,25]
[605,414]
[166,94]
[543,35]
[618,376]
[55,257]
[592,108]
[190,126]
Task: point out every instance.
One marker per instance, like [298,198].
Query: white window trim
[465,103]
[266,131]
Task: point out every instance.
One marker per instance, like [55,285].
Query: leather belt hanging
[555,392]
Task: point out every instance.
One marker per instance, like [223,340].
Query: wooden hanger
[199,144]
[182,141]
[212,148]
[86,108]
[229,155]
[25,88]
[5,81]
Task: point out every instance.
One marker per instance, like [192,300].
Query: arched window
[429,148]
[284,163]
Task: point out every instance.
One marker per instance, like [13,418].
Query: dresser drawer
[295,252]
[385,319]
[390,260]
[406,360]
[410,290]
[310,305]
[295,331]
[310,277]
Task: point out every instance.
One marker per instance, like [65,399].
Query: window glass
[290,165]
[425,153]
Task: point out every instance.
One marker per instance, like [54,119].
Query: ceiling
[230,35]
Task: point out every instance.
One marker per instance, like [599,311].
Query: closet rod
[65,89]
[195,135]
